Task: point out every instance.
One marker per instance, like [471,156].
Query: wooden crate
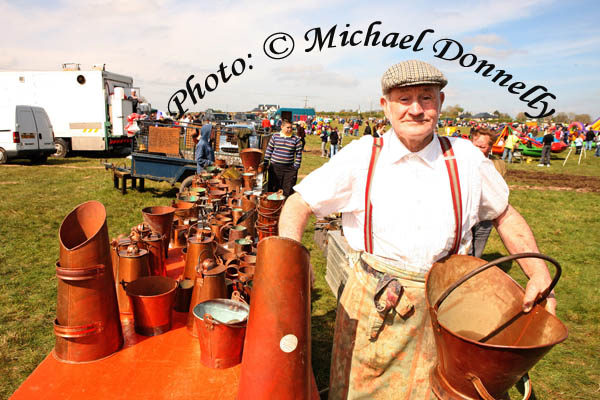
[337,262]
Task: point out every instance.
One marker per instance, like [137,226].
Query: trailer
[165,152]
[88,109]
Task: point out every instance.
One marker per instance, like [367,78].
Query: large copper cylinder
[87,325]
[251,159]
[160,219]
[484,341]
[277,359]
[131,265]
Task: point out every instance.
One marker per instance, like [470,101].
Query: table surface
[166,366]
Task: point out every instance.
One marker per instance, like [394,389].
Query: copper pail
[152,299]
[485,342]
[87,325]
[278,335]
[160,219]
[251,159]
[132,264]
[209,284]
[221,327]
[156,258]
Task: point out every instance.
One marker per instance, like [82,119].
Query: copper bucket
[132,264]
[152,300]
[276,360]
[221,328]
[251,159]
[160,219]
[87,325]
[485,342]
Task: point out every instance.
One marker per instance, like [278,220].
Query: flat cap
[411,73]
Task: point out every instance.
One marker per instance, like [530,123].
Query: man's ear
[442,97]
[384,105]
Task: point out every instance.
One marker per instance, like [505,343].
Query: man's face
[482,142]
[413,111]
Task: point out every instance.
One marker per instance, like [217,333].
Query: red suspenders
[452,168]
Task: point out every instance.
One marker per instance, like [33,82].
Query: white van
[25,132]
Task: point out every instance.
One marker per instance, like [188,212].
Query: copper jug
[209,284]
[132,264]
[156,257]
[200,245]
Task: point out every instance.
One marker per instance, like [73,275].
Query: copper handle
[79,274]
[78,331]
[511,257]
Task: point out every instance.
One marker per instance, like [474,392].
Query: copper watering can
[209,284]
[485,342]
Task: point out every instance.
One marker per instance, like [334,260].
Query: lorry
[25,131]
[88,109]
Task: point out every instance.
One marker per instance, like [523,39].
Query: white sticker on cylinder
[288,343]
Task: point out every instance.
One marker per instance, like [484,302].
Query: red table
[166,366]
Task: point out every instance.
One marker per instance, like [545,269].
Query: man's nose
[415,108]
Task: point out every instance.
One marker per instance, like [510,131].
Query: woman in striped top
[283,157]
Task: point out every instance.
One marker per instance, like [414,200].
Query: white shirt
[413,216]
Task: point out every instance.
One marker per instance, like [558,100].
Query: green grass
[35,199]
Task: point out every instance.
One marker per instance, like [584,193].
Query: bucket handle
[209,321]
[485,395]
[79,331]
[511,257]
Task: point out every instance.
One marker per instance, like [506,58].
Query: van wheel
[3,156]
[61,148]
[186,184]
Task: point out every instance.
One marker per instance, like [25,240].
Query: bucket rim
[224,302]
[154,277]
[166,210]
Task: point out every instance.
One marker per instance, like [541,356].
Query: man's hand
[536,285]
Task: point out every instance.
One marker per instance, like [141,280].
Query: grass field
[35,199]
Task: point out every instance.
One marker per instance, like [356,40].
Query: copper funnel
[251,159]
[160,219]
[484,341]
[276,362]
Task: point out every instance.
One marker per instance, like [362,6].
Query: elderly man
[407,200]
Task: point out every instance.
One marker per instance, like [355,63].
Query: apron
[383,344]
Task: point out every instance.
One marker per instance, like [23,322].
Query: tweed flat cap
[411,73]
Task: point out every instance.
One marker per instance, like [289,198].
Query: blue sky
[160,43]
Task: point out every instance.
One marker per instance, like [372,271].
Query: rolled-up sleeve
[494,192]
[329,189]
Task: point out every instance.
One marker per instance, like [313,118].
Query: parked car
[25,132]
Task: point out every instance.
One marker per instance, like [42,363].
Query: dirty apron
[383,345]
